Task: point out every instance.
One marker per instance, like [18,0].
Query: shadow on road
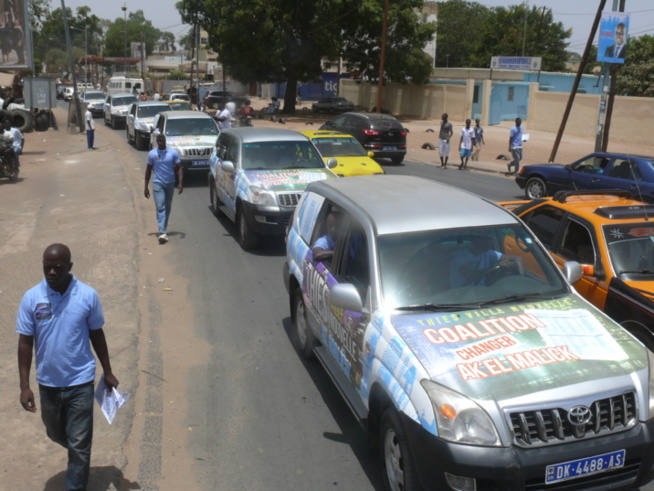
[100,479]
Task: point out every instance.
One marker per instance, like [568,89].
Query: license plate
[389,148]
[584,467]
[199,162]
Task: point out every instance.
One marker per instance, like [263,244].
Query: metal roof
[401,204]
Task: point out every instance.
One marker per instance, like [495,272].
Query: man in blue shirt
[323,248]
[59,319]
[165,164]
[515,146]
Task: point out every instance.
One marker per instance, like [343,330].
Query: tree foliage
[636,77]
[285,40]
[471,34]
[137,28]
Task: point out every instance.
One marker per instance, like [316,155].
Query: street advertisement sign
[614,30]
[14,39]
[516,63]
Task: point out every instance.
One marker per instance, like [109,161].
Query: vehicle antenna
[640,194]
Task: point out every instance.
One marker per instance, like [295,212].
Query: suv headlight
[262,197]
[460,419]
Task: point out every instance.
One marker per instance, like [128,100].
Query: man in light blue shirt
[515,146]
[165,164]
[59,319]
[323,248]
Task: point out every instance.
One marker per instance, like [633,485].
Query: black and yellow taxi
[612,236]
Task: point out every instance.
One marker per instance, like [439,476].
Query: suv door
[131,116]
[227,150]
[107,108]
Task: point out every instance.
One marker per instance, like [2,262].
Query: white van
[121,84]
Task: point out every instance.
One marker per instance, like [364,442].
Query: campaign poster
[614,32]
[15,52]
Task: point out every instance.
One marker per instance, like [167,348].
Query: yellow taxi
[612,236]
[351,158]
[179,105]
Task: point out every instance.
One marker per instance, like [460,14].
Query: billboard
[612,45]
[15,49]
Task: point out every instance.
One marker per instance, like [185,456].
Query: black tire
[42,121]
[14,176]
[535,188]
[139,142]
[22,120]
[397,462]
[304,338]
[247,237]
[213,197]
[129,141]
[113,122]
[397,160]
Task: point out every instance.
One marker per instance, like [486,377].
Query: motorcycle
[9,164]
[245,120]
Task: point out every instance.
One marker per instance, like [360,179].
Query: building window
[204,41]
[509,96]
[475,94]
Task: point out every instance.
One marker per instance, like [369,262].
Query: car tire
[213,197]
[397,160]
[138,141]
[304,338]
[247,238]
[535,188]
[398,470]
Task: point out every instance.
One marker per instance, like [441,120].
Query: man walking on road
[515,146]
[59,319]
[444,136]
[466,143]
[165,164]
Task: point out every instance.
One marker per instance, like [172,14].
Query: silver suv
[459,344]
[95,101]
[140,122]
[115,109]
[191,133]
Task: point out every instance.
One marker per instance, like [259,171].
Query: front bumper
[193,163]
[515,468]
[520,181]
[383,152]
[266,219]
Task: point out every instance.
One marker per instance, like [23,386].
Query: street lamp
[124,7]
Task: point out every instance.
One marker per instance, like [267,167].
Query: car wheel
[213,196]
[399,472]
[113,122]
[304,337]
[397,160]
[535,188]
[129,140]
[246,236]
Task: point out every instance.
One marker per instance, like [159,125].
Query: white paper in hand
[109,401]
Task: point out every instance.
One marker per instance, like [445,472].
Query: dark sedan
[595,171]
[215,97]
[379,133]
[332,105]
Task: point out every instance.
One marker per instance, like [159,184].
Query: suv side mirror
[331,163]
[227,165]
[572,271]
[345,296]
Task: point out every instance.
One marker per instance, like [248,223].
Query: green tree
[636,76]
[459,32]
[517,31]
[285,40]
[138,29]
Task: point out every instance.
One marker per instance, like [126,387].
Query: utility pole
[382,61]
[524,27]
[124,8]
[71,60]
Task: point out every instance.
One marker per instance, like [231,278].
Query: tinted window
[94,97]
[281,155]
[343,147]
[150,111]
[193,126]
[577,244]
[123,101]
[544,222]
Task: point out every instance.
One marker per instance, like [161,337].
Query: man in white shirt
[90,128]
[465,144]
[223,116]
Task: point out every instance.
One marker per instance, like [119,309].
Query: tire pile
[26,121]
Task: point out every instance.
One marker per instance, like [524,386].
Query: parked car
[140,122]
[595,171]
[215,97]
[505,380]
[350,157]
[192,133]
[379,133]
[95,101]
[257,176]
[178,105]
[116,107]
[68,92]
[332,105]
[611,235]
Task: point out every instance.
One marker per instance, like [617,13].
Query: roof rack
[626,212]
[562,196]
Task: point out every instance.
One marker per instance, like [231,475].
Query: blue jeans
[516,153]
[163,202]
[67,413]
[89,138]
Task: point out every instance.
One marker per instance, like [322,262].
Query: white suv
[140,122]
[115,109]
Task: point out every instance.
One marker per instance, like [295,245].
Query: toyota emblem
[579,415]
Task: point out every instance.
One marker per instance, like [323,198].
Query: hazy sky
[575,14]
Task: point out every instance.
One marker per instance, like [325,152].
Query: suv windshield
[341,147]
[631,249]
[151,111]
[93,96]
[123,101]
[191,126]
[281,155]
[458,269]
